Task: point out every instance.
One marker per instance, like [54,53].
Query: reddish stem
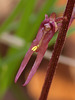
[57,49]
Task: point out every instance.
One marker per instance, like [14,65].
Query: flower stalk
[57,49]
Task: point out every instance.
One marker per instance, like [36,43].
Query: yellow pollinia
[35,48]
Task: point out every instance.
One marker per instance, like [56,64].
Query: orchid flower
[46,31]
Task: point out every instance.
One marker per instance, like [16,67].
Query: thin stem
[57,49]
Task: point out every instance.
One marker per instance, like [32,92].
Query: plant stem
[57,49]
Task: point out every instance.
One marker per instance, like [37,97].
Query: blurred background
[19,24]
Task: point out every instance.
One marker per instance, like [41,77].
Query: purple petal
[52,17]
[38,60]
[46,16]
[25,61]
[39,34]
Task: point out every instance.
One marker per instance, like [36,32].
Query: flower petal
[46,16]
[39,34]
[25,60]
[38,60]
[52,17]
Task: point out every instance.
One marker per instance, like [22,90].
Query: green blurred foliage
[25,27]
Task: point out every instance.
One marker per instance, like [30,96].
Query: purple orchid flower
[46,31]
